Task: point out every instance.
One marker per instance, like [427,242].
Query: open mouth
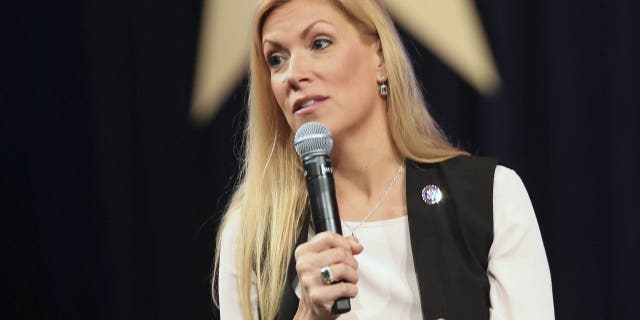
[307,102]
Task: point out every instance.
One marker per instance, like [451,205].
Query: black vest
[450,240]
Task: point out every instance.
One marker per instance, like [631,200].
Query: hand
[337,252]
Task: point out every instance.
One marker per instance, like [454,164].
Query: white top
[387,287]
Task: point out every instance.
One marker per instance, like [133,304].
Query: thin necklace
[377,205]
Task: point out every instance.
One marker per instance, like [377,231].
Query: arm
[518,270]
[228,275]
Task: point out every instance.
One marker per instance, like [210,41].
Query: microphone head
[313,138]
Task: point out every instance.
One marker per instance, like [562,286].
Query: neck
[365,163]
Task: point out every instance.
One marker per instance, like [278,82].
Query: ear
[381,69]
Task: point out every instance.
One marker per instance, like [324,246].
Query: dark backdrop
[112,195]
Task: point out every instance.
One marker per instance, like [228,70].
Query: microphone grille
[313,138]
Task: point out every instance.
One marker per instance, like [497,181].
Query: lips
[307,101]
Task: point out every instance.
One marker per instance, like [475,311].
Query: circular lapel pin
[431,194]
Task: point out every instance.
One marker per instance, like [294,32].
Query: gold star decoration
[451,29]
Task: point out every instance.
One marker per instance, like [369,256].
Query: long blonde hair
[270,196]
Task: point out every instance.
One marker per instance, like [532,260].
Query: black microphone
[313,143]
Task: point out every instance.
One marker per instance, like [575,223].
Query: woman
[430,231]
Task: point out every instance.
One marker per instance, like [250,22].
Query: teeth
[307,103]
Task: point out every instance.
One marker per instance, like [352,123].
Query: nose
[297,72]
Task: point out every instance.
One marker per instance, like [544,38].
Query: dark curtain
[113,195]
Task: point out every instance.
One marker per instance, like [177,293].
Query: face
[322,67]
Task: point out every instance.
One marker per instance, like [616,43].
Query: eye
[321,43]
[275,60]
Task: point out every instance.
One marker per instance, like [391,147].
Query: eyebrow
[303,34]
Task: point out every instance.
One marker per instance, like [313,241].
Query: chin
[297,123]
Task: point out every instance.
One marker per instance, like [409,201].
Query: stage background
[112,195]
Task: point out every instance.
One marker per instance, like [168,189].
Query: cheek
[355,80]
[278,91]
[352,71]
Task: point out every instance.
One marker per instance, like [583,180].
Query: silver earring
[384,89]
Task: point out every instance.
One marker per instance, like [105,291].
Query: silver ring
[325,275]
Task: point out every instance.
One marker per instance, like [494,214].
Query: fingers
[317,302]
[336,252]
[327,240]
[334,256]
[344,272]
[309,275]
[328,294]
[308,269]
[356,247]
[329,249]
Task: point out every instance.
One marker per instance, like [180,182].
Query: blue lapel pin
[431,194]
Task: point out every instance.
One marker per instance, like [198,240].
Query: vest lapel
[423,219]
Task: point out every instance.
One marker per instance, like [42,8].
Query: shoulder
[464,174]
[459,164]
[511,202]
[471,164]
[505,178]
[227,245]
[229,229]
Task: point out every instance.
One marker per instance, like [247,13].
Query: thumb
[356,246]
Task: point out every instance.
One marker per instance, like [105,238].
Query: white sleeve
[228,295]
[518,270]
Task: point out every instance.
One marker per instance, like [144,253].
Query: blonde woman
[430,232]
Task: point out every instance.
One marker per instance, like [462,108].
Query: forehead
[296,15]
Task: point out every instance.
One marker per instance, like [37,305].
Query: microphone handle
[324,206]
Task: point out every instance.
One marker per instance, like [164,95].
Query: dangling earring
[384,89]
